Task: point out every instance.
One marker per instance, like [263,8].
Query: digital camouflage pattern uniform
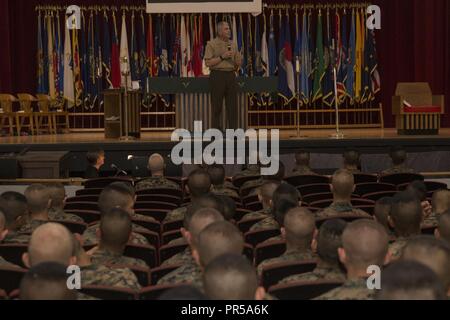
[14,237]
[265,224]
[181,258]
[397,169]
[341,209]
[355,289]
[90,235]
[396,247]
[32,225]
[60,215]
[105,257]
[264,213]
[188,273]
[319,273]
[101,275]
[253,184]
[222,190]
[176,215]
[288,256]
[156,182]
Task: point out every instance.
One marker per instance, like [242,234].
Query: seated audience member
[196,219]
[433,253]
[229,207]
[440,203]
[398,156]
[46,281]
[405,219]
[364,244]
[198,184]
[409,280]
[255,184]
[265,195]
[156,167]
[183,293]
[95,160]
[442,232]
[419,189]
[3,233]
[216,239]
[218,186]
[352,161]
[58,197]
[114,234]
[15,209]
[342,186]
[117,195]
[299,230]
[302,166]
[329,240]
[38,202]
[249,170]
[231,277]
[382,211]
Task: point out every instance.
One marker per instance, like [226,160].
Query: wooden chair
[303,290]
[55,109]
[272,274]
[6,101]
[26,113]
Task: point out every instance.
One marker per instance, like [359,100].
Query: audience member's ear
[3,234]
[260,294]
[186,235]
[73,261]
[331,188]
[186,187]
[387,258]
[271,203]
[79,238]
[196,256]
[391,222]
[283,232]
[354,188]
[260,199]
[49,203]
[342,255]
[26,259]
[437,234]
[315,235]
[314,245]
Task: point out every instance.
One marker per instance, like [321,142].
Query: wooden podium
[114,100]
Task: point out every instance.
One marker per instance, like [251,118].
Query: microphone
[118,170]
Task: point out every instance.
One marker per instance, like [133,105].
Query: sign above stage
[204,6]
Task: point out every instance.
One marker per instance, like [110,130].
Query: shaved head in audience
[57,194]
[156,164]
[201,218]
[115,229]
[199,183]
[266,191]
[231,277]
[117,195]
[299,227]
[302,158]
[342,184]
[38,198]
[406,214]
[15,208]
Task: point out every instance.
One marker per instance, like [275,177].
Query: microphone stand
[337,134]
[126,73]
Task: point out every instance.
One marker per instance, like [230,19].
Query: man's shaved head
[217,239]
[267,190]
[406,214]
[115,228]
[440,201]
[46,281]
[398,155]
[410,280]
[351,158]
[302,158]
[382,210]
[116,195]
[343,184]
[38,198]
[50,242]
[217,174]
[365,243]
[444,226]
[431,252]
[57,194]
[329,240]
[201,219]
[300,225]
[156,163]
[203,202]
[14,206]
[230,277]
[199,183]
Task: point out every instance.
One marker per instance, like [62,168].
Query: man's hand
[227,55]
[426,209]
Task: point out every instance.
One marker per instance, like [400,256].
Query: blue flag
[286,83]
[106,51]
[259,71]
[351,57]
[306,67]
[273,61]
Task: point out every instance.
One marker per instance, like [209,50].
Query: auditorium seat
[239,181]
[172,226]
[364,178]
[303,290]
[88,216]
[254,206]
[347,218]
[142,274]
[158,198]
[314,197]
[432,186]
[264,251]
[272,274]
[250,199]
[109,293]
[90,206]
[249,252]
[368,209]
[245,224]
[244,192]
[159,205]
[143,252]
[355,202]
[154,292]
[171,235]
[301,180]
[10,278]
[3,295]
[157,273]
[165,191]
[83,198]
[240,213]
[370,187]
[157,214]
[314,188]
[428,230]
[149,225]
[152,237]
[374,196]
[168,251]
[89,192]
[13,253]
[400,178]
[256,237]
[101,183]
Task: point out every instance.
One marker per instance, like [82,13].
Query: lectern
[114,100]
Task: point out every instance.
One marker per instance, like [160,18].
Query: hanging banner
[204,6]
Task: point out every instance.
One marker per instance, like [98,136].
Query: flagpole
[338,134]
[126,73]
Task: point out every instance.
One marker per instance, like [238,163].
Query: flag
[286,82]
[211,27]
[259,70]
[351,57]
[190,69]
[328,82]
[319,63]
[59,59]
[98,64]
[342,50]
[174,46]
[106,54]
[273,61]
[197,61]
[134,50]
[249,48]
[51,58]
[151,48]
[305,69]
[115,55]
[124,56]
[89,84]
[69,94]
[83,62]
[40,58]
[234,31]
[143,67]
[359,57]
[265,51]
[183,47]
[77,68]
[373,65]
[298,41]
[241,46]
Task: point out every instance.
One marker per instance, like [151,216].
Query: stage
[427,153]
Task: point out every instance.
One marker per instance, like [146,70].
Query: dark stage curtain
[413,45]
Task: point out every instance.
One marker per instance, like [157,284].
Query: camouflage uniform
[341,209]
[97,274]
[319,273]
[397,169]
[396,248]
[265,224]
[253,184]
[302,171]
[288,256]
[352,170]
[101,256]
[5,263]
[142,217]
[181,258]
[355,289]
[31,225]
[14,237]
[249,172]
[431,220]
[175,215]
[156,182]
[188,273]
[222,190]
[277,238]
[90,235]
[60,215]
[178,241]
[264,213]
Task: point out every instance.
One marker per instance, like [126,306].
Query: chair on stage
[26,113]
[6,101]
[47,105]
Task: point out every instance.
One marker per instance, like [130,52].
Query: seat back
[171,235]
[168,251]
[165,191]
[172,226]
[43,102]
[89,192]
[91,206]
[155,205]
[88,216]
[149,225]
[100,183]
[374,196]
[302,180]
[264,251]
[400,178]
[157,214]
[83,198]
[154,292]
[6,101]
[314,188]
[74,227]
[239,181]
[25,101]
[347,218]
[145,253]
[273,274]
[13,253]
[158,197]
[256,237]
[370,187]
[245,225]
[303,290]
[364,178]
[157,273]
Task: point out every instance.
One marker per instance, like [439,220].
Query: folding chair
[303,290]
[273,274]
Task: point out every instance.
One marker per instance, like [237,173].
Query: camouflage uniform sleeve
[139,239]
[90,235]
[174,215]
[268,223]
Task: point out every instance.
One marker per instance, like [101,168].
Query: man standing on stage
[223,59]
